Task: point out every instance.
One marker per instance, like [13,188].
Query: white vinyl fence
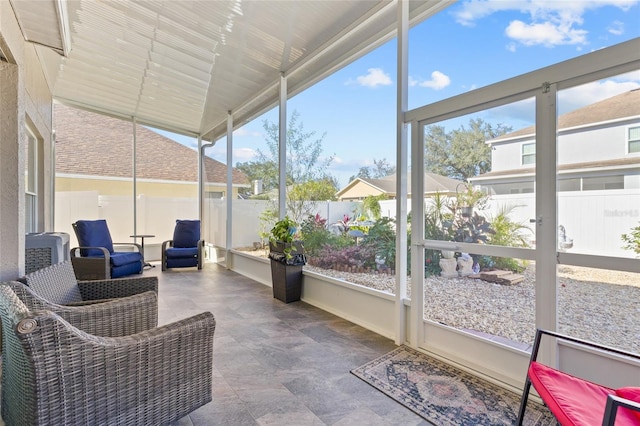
[157,216]
[595,220]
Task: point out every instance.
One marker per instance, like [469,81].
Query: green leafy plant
[510,234]
[382,240]
[284,231]
[632,240]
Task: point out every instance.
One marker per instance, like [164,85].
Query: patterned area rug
[445,395]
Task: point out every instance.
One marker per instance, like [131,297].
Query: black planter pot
[286,274]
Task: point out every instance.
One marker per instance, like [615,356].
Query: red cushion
[632,394]
[574,401]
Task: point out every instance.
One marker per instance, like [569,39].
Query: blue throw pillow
[186,234]
[93,233]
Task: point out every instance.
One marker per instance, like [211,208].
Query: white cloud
[587,94]
[549,23]
[374,78]
[242,131]
[616,28]
[243,154]
[546,34]
[438,81]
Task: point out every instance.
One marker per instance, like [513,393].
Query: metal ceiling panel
[182,65]
[42,22]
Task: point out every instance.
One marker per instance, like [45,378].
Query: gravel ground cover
[594,304]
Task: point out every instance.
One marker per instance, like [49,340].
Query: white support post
[200,180]
[546,214]
[401,173]
[229,203]
[417,234]
[282,149]
[134,143]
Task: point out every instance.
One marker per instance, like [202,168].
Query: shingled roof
[94,144]
[617,107]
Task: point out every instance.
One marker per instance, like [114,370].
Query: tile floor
[277,363]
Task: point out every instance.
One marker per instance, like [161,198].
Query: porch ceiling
[182,65]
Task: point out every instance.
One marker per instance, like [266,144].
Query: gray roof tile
[94,144]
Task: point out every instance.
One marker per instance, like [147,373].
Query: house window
[634,139]
[603,182]
[571,184]
[528,154]
[30,182]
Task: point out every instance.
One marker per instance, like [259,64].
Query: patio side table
[142,237]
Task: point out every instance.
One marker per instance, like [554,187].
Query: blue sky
[469,45]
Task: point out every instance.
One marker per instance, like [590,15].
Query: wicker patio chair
[111,318]
[54,373]
[58,284]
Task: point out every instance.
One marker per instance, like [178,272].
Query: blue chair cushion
[121,258]
[182,253]
[182,262]
[127,269]
[93,233]
[186,233]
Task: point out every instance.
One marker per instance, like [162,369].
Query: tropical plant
[315,234]
[285,231]
[632,240]
[382,240]
[371,205]
[267,218]
[510,234]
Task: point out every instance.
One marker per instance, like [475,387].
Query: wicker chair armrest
[118,287]
[91,268]
[154,377]
[112,318]
[105,252]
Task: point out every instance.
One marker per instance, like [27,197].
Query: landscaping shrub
[510,234]
[632,240]
[358,256]
[381,240]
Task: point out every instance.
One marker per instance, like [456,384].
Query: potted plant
[287,258]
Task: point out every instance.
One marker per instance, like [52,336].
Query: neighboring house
[94,152]
[360,188]
[598,149]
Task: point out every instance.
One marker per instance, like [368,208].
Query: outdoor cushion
[574,401]
[125,257]
[186,233]
[175,253]
[632,394]
[93,233]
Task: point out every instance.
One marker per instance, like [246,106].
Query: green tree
[302,198]
[461,153]
[304,156]
[380,169]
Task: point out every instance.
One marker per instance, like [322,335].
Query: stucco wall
[125,187]
[26,98]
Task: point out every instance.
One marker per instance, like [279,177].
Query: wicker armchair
[54,373]
[111,318]
[58,284]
